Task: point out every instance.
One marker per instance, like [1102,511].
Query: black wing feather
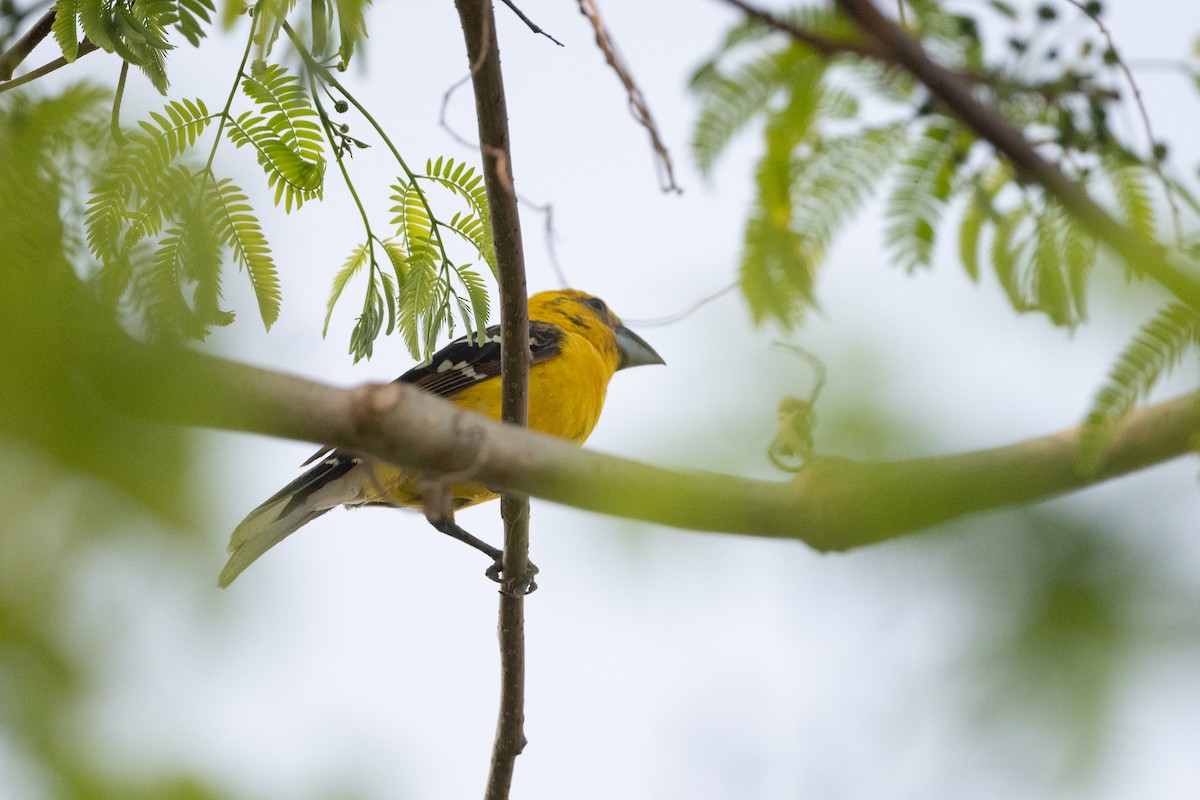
[332,468]
[464,363]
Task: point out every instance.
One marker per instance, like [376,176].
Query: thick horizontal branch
[831,504]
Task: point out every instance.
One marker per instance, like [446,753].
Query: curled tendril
[793,442]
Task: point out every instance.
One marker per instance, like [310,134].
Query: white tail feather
[261,531]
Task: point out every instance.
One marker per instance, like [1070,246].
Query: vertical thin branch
[483,54]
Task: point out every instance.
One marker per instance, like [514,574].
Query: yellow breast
[566,395]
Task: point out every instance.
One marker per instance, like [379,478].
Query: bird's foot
[526,585]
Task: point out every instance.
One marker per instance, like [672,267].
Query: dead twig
[533,26]
[637,103]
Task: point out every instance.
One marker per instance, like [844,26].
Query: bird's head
[584,311]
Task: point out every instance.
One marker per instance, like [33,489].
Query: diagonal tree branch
[12,59]
[483,54]
[894,46]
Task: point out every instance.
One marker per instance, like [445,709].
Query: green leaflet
[352,27]
[1129,181]
[286,133]
[729,102]
[921,192]
[149,221]
[240,230]
[193,17]
[474,226]
[352,266]
[430,285]
[66,28]
[1151,355]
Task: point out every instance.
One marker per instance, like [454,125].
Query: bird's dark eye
[596,304]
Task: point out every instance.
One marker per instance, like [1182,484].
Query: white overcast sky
[662,664]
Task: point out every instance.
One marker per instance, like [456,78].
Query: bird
[576,344]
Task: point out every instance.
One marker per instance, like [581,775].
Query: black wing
[464,363]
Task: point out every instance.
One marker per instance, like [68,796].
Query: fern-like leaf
[1049,276]
[776,276]
[980,210]
[65,28]
[467,183]
[414,225]
[352,27]
[166,306]
[359,256]
[192,17]
[141,188]
[1130,185]
[142,38]
[1152,353]
[98,23]
[923,186]
[1007,252]
[286,135]
[290,115]
[1079,256]
[475,313]
[729,102]
[271,16]
[833,181]
[419,295]
[241,231]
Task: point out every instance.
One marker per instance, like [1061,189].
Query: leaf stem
[328,79]
[337,156]
[241,70]
[115,123]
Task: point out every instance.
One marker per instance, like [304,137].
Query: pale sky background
[661,664]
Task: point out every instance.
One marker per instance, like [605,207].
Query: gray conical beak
[634,350]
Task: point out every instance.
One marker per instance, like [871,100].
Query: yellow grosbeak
[576,344]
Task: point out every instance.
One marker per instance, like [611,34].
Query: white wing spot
[462,366]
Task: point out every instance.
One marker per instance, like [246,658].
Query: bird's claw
[526,585]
